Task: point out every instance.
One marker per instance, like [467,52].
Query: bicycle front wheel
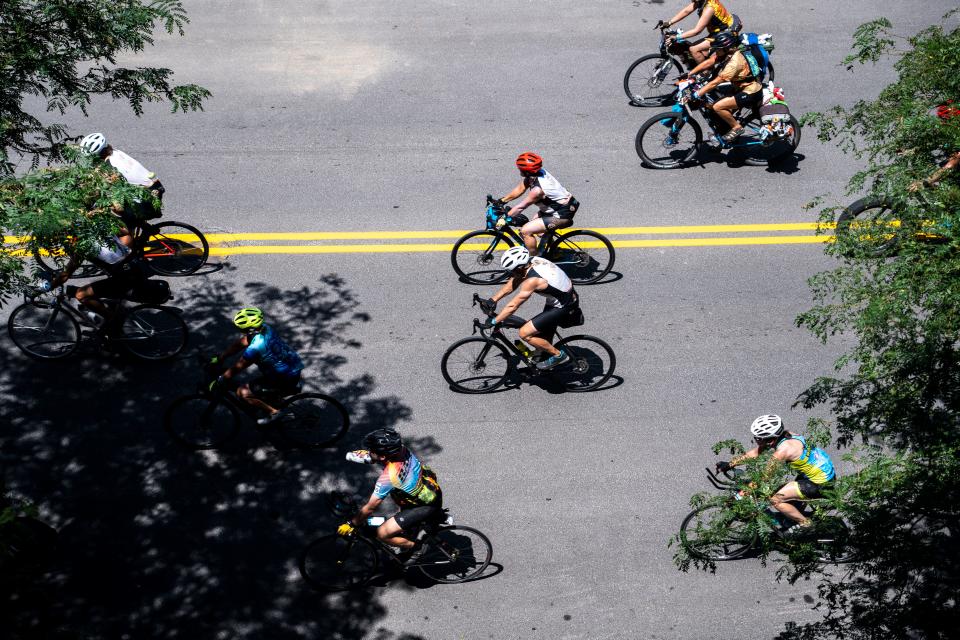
[313,420]
[585,256]
[150,332]
[201,421]
[475,365]
[591,364]
[649,80]
[476,256]
[338,563]
[699,535]
[175,249]
[53,262]
[455,554]
[668,140]
[44,331]
[760,151]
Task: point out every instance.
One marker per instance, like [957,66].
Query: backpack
[755,54]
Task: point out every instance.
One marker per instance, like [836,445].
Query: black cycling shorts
[414,517]
[547,321]
[276,385]
[748,100]
[810,489]
[117,287]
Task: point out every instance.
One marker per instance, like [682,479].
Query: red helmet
[947,110]
[529,162]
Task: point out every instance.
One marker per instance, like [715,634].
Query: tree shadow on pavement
[159,542]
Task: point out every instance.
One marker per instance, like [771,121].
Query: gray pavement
[401,116]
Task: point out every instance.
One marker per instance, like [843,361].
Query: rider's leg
[529,233]
[392,533]
[724,108]
[87,297]
[780,501]
[245,393]
[530,334]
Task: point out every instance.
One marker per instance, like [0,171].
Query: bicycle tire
[487,256]
[586,370]
[444,555]
[671,156]
[467,362]
[152,332]
[757,154]
[175,249]
[201,421]
[573,253]
[655,101]
[24,330]
[53,264]
[313,420]
[862,209]
[831,537]
[730,549]
[337,563]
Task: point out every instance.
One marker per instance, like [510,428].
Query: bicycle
[878,226]
[483,363]
[586,256]
[453,553]
[655,71]
[53,330]
[671,139]
[209,419]
[828,534]
[169,248]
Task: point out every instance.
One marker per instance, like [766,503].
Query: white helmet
[93,143]
[514,257]
[766,427]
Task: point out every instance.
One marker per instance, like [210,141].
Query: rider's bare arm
[526,290]
[237,346]
[505,290]
[752,453]
[516,193]
[683,13]
[710,86]
[366,510]
[703,66]
[532,197]
[705,18]
[64,275]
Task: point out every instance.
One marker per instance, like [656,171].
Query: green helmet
[248,318]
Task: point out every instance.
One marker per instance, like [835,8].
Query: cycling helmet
[93,143]
[946,110]
[529,162]
[766,427]
[723,40]
[248,318]
[514,257]
[383,442]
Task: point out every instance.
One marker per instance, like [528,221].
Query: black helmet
[723,40]
[384,442]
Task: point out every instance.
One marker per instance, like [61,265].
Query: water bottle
[376,521]
[361,456]
[522,348]
[95,318]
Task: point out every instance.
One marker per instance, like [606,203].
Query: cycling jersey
[559,292]
[554,195]
[409,483]
[272,355]
[738,72]
[814,463]
[722,19]
[131,170]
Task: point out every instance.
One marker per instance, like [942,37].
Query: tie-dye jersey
[813,463]
[409,483]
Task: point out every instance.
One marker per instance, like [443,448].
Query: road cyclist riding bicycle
[815,471]
[737,70]
[713,17]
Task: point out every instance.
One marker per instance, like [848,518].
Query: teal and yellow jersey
[814,463]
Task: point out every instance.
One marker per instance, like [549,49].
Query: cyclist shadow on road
[715,155]
[155,540]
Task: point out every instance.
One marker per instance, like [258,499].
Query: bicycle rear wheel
[591,364]
[338,563]
[175,249]
[760,152]
[313,420]
[455,554]
[871,226]
[476,256]
[476,365]
[201,421]
[832,538]
[585,256]
[668,140]
[44,331]
[150,332]
[699,536]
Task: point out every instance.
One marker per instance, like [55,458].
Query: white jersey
[559,291]
[132,171]
[113,251]
[553,191]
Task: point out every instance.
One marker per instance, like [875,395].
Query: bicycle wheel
[698,539]
[476,256]
[150,332]
[44,331]
[313,420]
[476,365]
[872,225]
[455,554]
[760,152]
[585,256]
[175,249]
[338,563]
[649,80]
[832,538]
[53,262]
[591,364]
[668,140]
[201,421]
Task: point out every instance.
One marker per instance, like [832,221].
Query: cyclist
[735,70]
[814,468]
[411,485]
[556,205]
[713,17]
[280,366]
[531,275]
[945,112]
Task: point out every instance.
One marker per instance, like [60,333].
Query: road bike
[209,418]
[585,256]
[876,225]
[671,139]
[451,553]
[828,534]
[169,248]
[481,364]
[53,329]
[650,80]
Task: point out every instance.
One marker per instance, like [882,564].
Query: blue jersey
[272,355]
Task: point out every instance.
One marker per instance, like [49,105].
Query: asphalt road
[390,116]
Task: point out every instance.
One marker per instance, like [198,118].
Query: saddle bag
[573,319]
[150,292]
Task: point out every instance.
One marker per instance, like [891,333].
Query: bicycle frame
[685,92]
[499,220]
[228,394]
[497,335]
